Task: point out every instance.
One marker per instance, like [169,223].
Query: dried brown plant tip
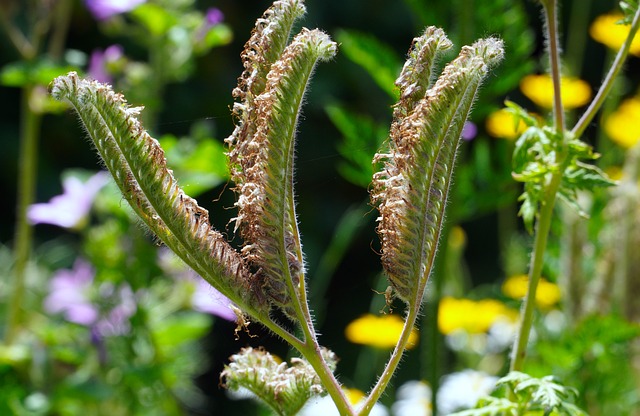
[268,39]
[412,188]
[139,167]
[264,172]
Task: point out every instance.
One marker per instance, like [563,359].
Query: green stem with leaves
[553,185]
[554,181]
[608,83]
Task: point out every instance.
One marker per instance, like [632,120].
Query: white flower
[413,398]
[324,406]
[459,391]
[501,335]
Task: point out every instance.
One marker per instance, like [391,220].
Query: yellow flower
[605,30]
[547,294]
[354,395]
[539,89]
[457,238]
[623,126]
[378,331]
[614,173]
[471,316]
[502,124]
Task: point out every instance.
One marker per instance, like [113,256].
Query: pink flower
[214,16]
[70,295]
[205,298]
[71,208]
[104,9]
[100,60]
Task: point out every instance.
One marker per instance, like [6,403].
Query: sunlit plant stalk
[553,184]
[546,212]
[609,81]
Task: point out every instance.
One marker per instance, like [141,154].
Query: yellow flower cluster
[623,126]
[547,294]
[539,89]
[502,124]
[378,331]
[605,30]
[471,316]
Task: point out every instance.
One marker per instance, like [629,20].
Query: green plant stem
[537,261]
[393,362]
[608,82]
[546,211]
[310,348]
[27,171]
[550,13]
[311,352]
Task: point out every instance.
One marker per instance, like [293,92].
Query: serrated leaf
[629,9]
[491,406]
[541,393]
[377,58]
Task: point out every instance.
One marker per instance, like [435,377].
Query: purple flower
[70,209]
[469,131]
[208,300]
[104,9]
[214,16]
[116,320]
[100,60]
[205,298]
[70,295]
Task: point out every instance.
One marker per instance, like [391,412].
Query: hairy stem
[546,212]
[551,24]
[535,271]
[608,82]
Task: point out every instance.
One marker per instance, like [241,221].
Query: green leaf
[361,138]
[39,72]
[175,330]
[217,35]
[541,394]
[491,406]
[535,159]
[377,58]
[629,9]
[155,18]
[199,165]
